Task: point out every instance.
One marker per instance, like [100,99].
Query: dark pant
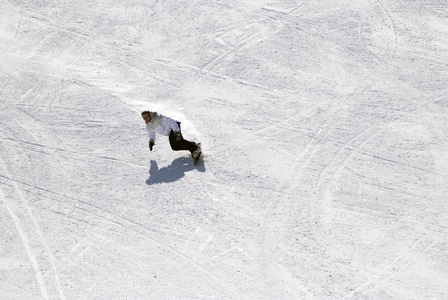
[182,144]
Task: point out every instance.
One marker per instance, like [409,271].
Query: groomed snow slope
[324,127]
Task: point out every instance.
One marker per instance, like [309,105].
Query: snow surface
[324,127]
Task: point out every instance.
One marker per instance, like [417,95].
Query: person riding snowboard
[156,123]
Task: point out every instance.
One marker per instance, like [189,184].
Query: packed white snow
[325,135]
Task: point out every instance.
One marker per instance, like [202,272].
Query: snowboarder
[156,123]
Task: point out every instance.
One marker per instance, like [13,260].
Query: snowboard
[199,157]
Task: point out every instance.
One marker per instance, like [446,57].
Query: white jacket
[160,124]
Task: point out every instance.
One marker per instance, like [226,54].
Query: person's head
[146,116]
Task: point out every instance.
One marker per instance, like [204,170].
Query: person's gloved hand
[151,144]
[178,136]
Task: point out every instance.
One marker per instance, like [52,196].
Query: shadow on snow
[175,171]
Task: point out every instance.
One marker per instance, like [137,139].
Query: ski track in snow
[26,217]
[323,129]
